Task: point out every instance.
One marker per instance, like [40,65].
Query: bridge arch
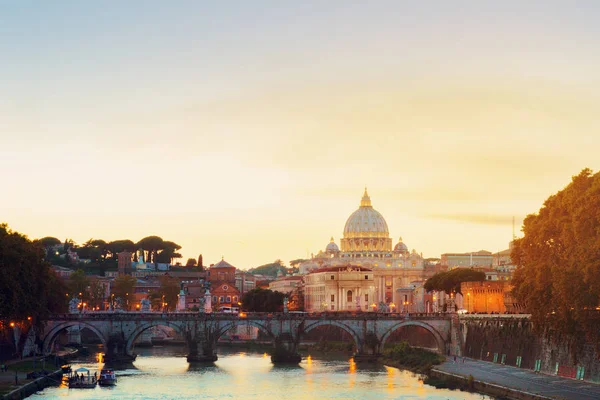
[54,331]
[147,325]
[310,326]
[441,343]
[243,322]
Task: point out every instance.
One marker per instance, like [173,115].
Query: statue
[74,305]
[145,305]
[285,304]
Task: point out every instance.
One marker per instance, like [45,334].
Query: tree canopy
[28,287]
[450,281]
[270,269]
[263,300]
[558,260]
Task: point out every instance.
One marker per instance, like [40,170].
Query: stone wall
[489,339]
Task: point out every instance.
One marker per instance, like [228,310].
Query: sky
[248,130]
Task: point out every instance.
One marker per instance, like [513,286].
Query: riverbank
[34,385]
[401,355]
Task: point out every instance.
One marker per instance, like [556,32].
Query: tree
[191,262]
[270,269]
[49,241]
[450,281]
[124,287]
[96,293]
[200,261]
[78,283]
[117,246]
[151,245]
[169,288]
[30,291]
[263,300]
[558,272]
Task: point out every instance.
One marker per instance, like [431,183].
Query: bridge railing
[186,315]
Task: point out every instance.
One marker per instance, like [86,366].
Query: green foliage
[558,268]
[450,281]
[263,300]
[49,241]
[124,289]
[78,283]
[28,286]
[270,269]
[191,262]
[415,359]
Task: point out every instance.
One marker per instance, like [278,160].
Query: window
[235,299]
[332,298]
[229,299]
[225,287]
[215,299]
[366,276]
[349,296]
[221,299]
[366,297]
[332,307]
[332,277]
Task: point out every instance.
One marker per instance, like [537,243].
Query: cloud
[482,219]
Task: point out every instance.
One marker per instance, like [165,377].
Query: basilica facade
[366,244]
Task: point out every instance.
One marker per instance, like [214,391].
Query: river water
[164,373]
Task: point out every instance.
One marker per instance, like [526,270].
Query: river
[164,373]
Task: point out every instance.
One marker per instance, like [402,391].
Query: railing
[187,315]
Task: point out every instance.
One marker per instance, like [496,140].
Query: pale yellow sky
[252,135]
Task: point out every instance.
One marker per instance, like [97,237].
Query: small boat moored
[107,378]
[81,379]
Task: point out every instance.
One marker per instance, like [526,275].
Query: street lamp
[468,301]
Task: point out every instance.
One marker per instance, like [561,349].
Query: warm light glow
[28,318]
[12,324]
[352,369]
[242,314]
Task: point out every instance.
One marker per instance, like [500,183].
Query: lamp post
[468,301]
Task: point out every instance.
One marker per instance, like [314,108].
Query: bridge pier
[74,335]
[202,351]
[285,351]
[116,351]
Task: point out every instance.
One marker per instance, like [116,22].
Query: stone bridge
[370,331]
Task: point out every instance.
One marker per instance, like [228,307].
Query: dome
[366,222]
[332,247]
[401,247]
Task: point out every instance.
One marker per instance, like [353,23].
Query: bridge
[118,331]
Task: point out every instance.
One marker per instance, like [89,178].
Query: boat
[81,379]
[107,378]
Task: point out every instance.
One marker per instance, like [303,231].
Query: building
[366,243]
[483,297]
[244,282]
[221,277]
[221,272]
[482,258]
[339,288]
[285,284]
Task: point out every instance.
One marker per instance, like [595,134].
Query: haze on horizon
[249,130]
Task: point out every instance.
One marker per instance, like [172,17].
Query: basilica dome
[401,247]
[366,230]
[366,221]
[332,247]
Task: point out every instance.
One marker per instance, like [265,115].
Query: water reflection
[163,373]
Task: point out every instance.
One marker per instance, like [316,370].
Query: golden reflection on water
[165,374]
[391,376]
[352,369]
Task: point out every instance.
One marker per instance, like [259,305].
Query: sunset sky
[249,129]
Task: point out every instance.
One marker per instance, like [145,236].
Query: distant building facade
[339,288]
